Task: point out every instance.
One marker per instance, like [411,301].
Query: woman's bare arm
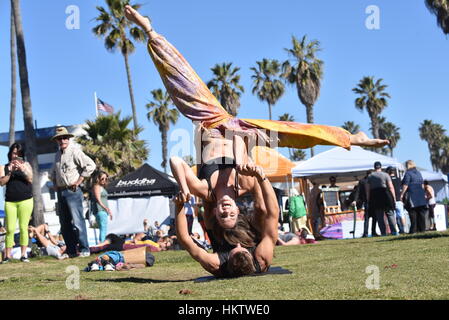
[4,179]
[187,180]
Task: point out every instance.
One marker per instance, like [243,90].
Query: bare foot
[134,16]
[361,139]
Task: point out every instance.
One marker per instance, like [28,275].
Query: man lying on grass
[240,260]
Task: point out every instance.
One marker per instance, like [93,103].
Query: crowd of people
[386,198]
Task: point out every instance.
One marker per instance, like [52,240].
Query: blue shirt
[414,180]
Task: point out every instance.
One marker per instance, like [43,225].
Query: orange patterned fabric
[195,101]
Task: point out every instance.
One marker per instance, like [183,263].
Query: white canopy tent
[343,164]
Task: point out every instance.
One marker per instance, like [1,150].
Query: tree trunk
[269,111]
[374,124]
[131,93]
[12,113]
[30,136]
[164,147]
[309,115]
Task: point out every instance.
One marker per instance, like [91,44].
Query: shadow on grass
[141,280]
[271,271]
[423,235]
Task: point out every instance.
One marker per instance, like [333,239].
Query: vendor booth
[348,167]
[142,194]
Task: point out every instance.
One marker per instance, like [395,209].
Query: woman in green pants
[17,175]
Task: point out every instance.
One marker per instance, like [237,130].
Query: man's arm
[269,229]
[87,165]
[391,187]
[209,261]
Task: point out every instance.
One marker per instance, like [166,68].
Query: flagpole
[96,108]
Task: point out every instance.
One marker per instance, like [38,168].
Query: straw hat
[61,132]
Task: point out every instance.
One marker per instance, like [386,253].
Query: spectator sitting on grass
[112,242]
[165,243]
[52,246]
[299,237]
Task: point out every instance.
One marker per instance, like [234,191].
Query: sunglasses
[62,138]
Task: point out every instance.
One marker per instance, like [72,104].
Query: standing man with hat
[381,198]
[70,169]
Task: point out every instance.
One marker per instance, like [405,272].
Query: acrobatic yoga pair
[241,246]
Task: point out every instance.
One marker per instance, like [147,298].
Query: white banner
[128,213]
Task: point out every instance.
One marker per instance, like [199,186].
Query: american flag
[103,106]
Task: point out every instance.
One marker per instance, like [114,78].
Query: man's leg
[391,217]
[421,218]
[380,215]
[75,204]
[189,222]
[302,224]
[65,219]
[373,225]
[365,223]
[412,215]
[399,216]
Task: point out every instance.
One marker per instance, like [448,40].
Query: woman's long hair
[97,175]
[20,150]
[243,232]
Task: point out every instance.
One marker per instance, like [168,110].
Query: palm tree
[390,131]
[225,86]
[266,82]
[305,71]
[351,126]
[443,161]
[440,8]
[162,116]
[113,28]
[112,145]
[373,98]
[433,134]
[30,135]
[12,113]
[298,155]
[287,117]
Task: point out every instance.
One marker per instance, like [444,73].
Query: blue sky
[409,52]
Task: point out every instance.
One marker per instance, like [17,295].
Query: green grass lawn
[410,267]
